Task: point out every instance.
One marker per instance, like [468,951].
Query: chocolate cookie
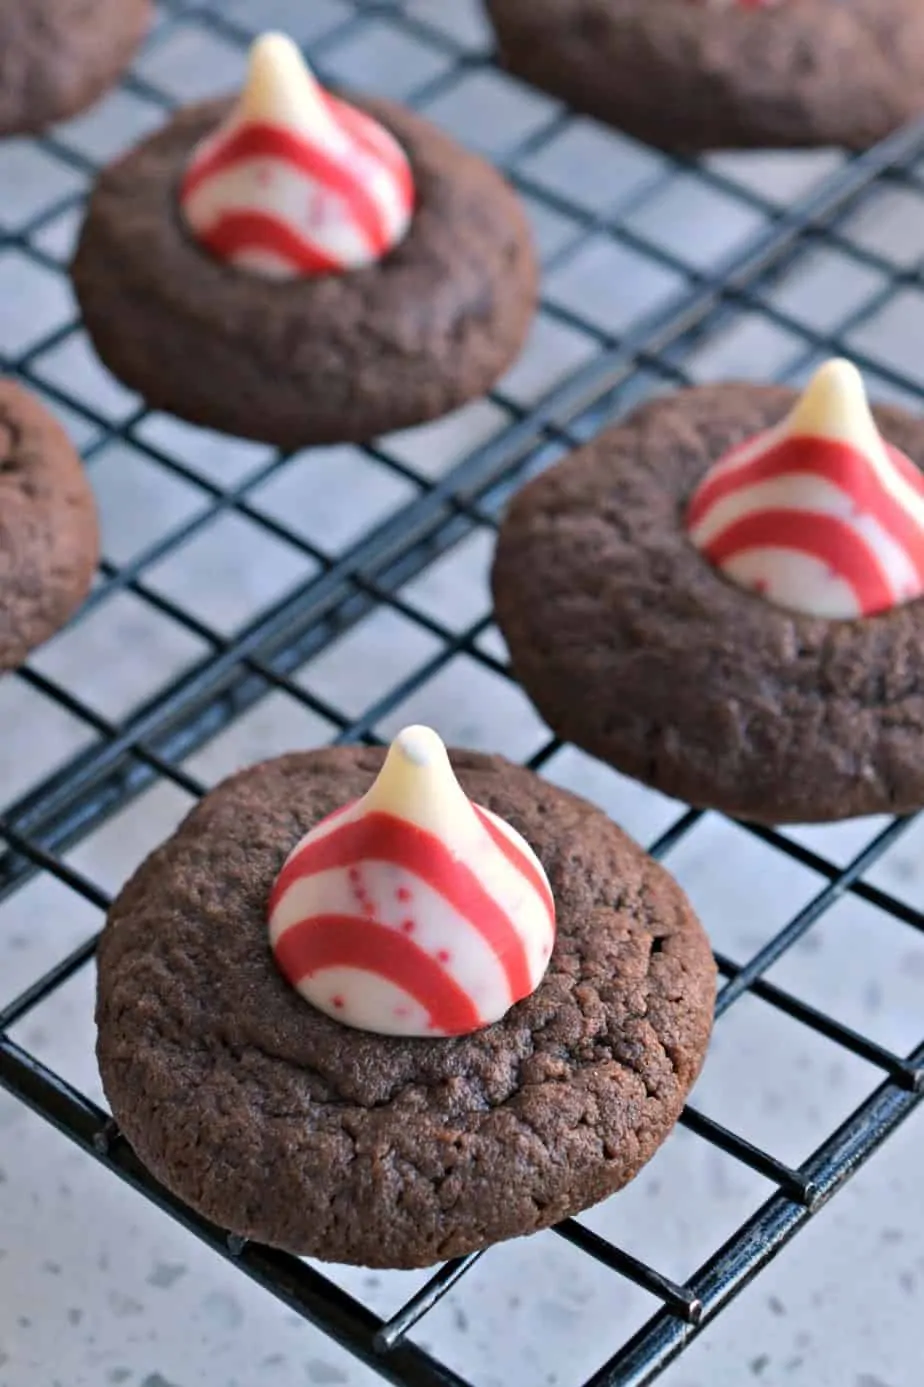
[332,358]
[686,76]
[59,56]
[282,1124]
[633,646]
[49,544]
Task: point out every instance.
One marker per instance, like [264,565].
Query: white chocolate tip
[420,745]
[834,406]
[417,783]
[275,50]
[281,89]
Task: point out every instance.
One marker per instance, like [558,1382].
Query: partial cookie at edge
[49,539]
[683,77]
[635,648]
[57,57]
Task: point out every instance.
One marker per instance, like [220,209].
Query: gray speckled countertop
[96,1286]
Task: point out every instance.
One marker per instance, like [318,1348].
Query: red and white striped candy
[295,182]
[819,514]
[413,911]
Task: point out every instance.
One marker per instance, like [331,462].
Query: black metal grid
[150,744]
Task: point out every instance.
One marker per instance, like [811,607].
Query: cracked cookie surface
[323,359]
[635,648]
[49,543]
[283,1125]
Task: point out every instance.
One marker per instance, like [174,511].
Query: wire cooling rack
[657,273]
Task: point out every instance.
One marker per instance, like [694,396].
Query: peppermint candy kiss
[413,911]
[820,514]
[295,182]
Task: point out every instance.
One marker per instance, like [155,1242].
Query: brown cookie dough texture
[283,1125]
[49,544]
[634,647]
[683,76]
[59,56]
[334,358]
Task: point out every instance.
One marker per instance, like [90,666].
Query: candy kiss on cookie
[820,514]
[296,182]
[413,911]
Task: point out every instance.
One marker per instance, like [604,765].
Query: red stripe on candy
[235,232]
[838,463]
[373,141]
[259,141]
[343,941]
[844,467]
[909,470]
[518,859]
[822,537]
[384,838]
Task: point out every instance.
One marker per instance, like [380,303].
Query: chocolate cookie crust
[635,648]
[317,360]
[49,544]
[281,1124]
[58,56]
[684,77]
